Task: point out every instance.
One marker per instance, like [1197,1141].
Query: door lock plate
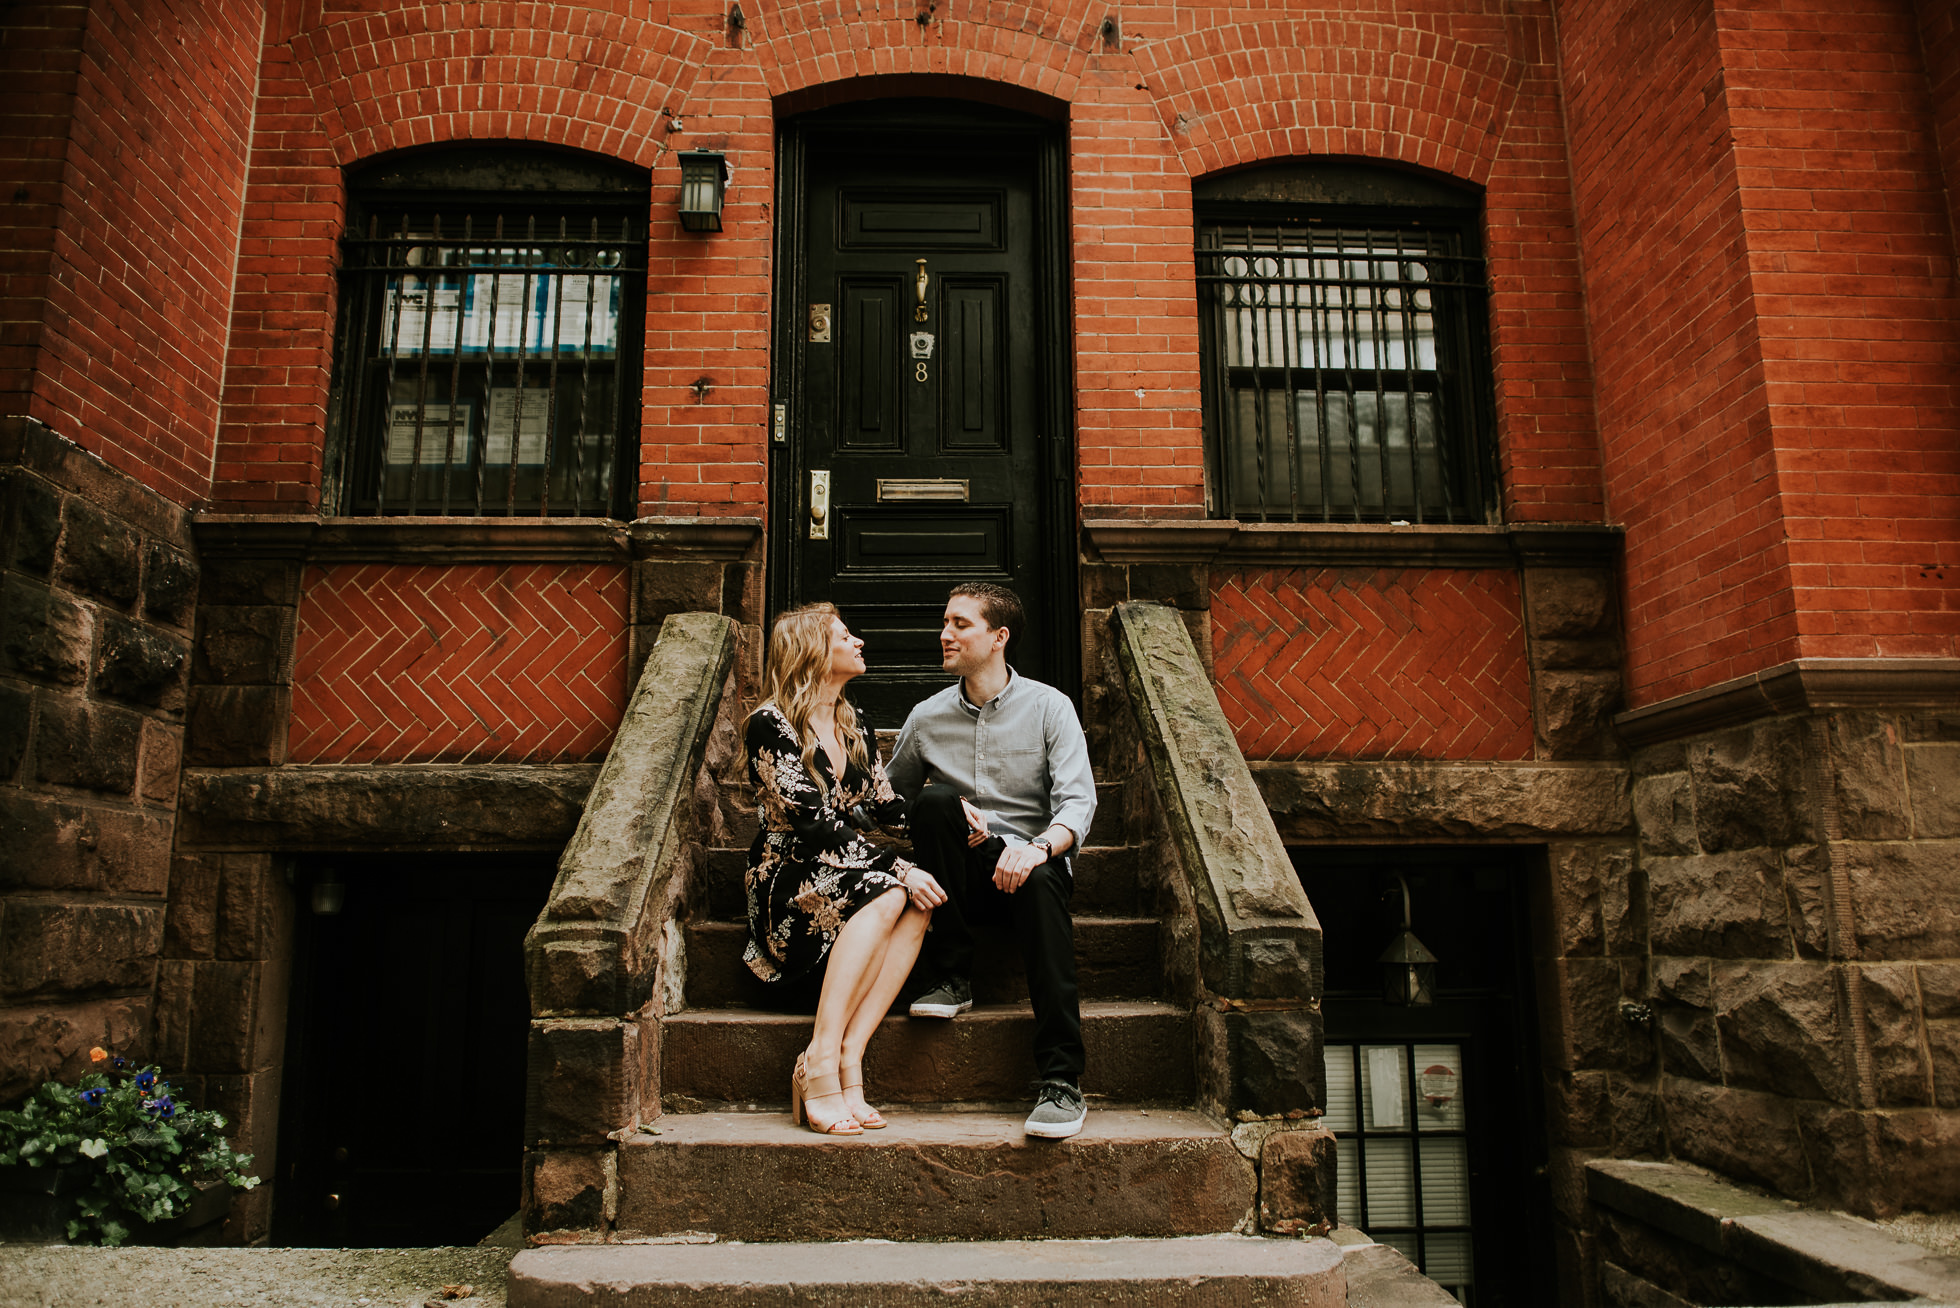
[819,505]
[820,324]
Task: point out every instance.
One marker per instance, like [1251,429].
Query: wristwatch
[1047,850]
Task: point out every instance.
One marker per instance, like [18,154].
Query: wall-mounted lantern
[704,180]
[1408,968]
[329,894]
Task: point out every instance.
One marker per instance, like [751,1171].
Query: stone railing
[604,960]
[1258,976]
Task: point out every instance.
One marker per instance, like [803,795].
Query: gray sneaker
[1059,1113]
[947,999]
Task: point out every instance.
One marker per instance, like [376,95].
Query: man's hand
[1016,862]
[922,890]
[976,822]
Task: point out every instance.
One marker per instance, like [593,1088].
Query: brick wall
[1777,408]
[129,124]
[396,663]
[1361,663]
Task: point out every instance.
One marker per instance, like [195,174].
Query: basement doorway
[1437,1109]
[402,1107]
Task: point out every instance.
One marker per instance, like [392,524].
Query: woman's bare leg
[901,951]
[855,959]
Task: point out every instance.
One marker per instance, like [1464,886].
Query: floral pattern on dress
[809,869]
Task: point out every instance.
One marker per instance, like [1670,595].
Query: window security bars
[1339,373]
[486,363]
[1402,1152]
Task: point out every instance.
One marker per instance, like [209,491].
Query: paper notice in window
[435,424]
[419,313]
[1385,1087]
[503,422]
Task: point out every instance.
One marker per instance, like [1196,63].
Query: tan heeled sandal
[852,1075]
[803,1086]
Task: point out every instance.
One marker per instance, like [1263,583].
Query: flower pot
[36,1203]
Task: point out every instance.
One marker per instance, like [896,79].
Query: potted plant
[117,1154]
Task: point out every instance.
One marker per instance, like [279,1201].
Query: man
[1011,794]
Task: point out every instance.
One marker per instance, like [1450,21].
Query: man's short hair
[999,606]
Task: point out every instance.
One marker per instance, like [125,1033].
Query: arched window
[1346,370]
[488,360]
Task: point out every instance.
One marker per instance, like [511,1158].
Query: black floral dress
[809,869]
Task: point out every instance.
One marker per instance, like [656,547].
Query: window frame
[444,199]
[1309,202]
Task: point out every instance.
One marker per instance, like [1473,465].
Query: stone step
[1138,1051]
[1105,882]
[1208,1271]
[933,1176]
[1115,958]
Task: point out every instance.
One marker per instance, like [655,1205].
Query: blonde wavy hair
[793,683]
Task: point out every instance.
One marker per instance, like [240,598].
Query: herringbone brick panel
[482,664]
[1367,663]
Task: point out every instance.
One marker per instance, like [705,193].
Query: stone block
[1596,1035]
[30,518]
[250,1103]
[1943,1052]
[1869,760]
[1723,905]
[191,925]
[1743,1134]
[1783,1030]
[249,581]
[1749,787]
[1684,998]
[1575,916]
[1297,1182]
[169,585]
[1444,801]
[1180,585]
[16,717]
[741,592]
[569,1190]
[98,554]
[662,587]
[71,949]
[1635,1110]
[140,664]
[244,645]
[248,904]
[1806,893]
[1939,990]
[45,1041]
[1577,1108]
[87,745]
[48,843]
[1572,714]
[227,1018]
[162,762]
[1876,1164]
[1104,585]
[1275,1060]
[581,1081]
[1905,898]
[1902,1077]
[1933,775]
[238,726]
[44,634]
[1574,655]
[1664,814]
[1568,603]
[1652,760]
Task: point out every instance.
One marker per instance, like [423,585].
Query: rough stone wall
[97,587]
[126,150]
[1802,877]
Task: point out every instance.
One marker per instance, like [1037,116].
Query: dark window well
[489,360]
[1345,369]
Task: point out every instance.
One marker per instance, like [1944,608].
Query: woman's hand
[922,890]
[976,822]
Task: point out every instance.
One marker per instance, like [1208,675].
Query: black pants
[1038,912]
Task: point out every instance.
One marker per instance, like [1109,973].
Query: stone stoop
[1194,1272]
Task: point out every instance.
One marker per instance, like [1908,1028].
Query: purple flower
[144,1080]
[121,1063]
[163,1106]
[93,1097]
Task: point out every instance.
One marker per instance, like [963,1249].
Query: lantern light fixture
[704,182]
[1408,968]
[329,894]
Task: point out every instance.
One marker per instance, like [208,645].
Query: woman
[821,896]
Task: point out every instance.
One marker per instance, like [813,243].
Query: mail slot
[912,489]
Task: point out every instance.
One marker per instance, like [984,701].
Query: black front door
[920,406]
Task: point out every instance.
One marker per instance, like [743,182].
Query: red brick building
[1545,415]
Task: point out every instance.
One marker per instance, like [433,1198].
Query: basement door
[920,427]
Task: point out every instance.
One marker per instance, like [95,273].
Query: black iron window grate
[1402,1158]
[489,363]
[1340,372]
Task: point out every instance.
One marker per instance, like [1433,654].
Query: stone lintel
[1801,685]
[714,539]
[1368,545]
[409,806]
[1824,1255]
[328,540]
[1364,800]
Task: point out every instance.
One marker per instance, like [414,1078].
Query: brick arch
[1253,92]
[806,43]
[548,73]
